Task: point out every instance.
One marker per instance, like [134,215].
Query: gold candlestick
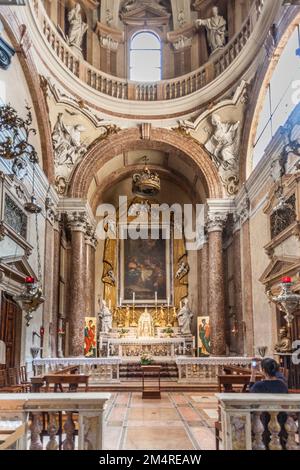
[133,323]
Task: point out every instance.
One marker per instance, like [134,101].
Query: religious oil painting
[204,339]
[145,270]
[90,337]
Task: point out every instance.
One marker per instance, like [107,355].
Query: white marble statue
[106,318]
[224,142]
[67,143]
[216,30]
[184,317]
[77,27]
[145,325]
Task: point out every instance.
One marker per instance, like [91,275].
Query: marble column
[204,277]
[91,244]
[238,290]
[247,288]
[77,313]
[51,280]
[216,300]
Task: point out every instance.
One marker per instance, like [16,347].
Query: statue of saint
[106,318]
[216,30]
[145,325]
[77,27]
[185,316]
[284,344]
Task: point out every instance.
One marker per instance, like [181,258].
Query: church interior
[149,225]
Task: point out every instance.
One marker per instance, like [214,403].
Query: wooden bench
[38,381]
[73,380]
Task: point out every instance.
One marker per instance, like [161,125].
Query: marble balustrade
[206,369]
[107,370]
[128,90]
[30,411]
[101,370]
[243,415]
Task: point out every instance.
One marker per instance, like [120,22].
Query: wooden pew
[73,380]
[38,381]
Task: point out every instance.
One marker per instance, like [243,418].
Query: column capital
[77,221]
[216,222]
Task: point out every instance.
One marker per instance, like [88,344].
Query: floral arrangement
[168,331]
[146,359]
[123,332]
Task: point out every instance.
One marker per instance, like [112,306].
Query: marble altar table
[133,347]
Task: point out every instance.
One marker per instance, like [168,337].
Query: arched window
[280,97]
[145,57]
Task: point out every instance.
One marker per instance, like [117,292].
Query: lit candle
[133,298]
[168,302]
[155,298]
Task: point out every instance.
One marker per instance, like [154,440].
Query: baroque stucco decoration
[223,145]
[219,129]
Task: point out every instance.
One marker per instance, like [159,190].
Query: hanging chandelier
[146,183]
[287,300]
[30,298]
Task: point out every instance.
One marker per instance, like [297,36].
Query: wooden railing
[128,90]
[52,421]
[260,422]
[206,369]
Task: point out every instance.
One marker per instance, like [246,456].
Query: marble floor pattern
[179,421]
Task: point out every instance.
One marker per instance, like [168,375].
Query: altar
[135,347]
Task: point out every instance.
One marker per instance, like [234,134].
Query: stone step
[133,370]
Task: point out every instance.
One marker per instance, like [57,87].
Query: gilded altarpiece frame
[176,255]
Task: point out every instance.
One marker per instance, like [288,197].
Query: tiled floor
[179,421]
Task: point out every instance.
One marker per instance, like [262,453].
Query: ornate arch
[21,44]
[160,139]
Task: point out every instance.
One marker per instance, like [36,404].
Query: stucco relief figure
[77,27]
[20,168]
[181,18]
[183,270]
[109,17]
[129,5]
[184,317]
[216,30]
[224,142]
[106,318]
[284,344]
[67,143]
[223,145]
[145,325]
